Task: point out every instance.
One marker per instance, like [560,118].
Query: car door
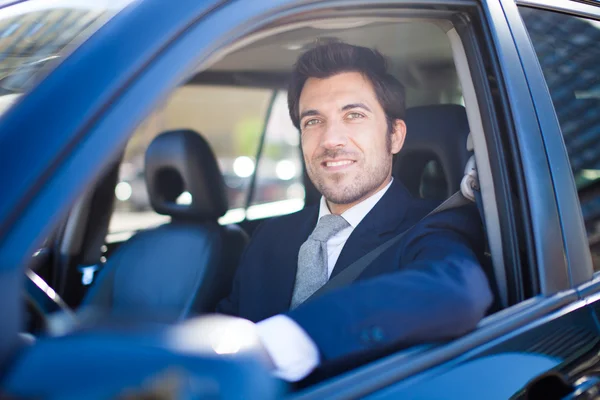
[102,114]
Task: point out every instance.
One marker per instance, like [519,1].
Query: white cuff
[292,351]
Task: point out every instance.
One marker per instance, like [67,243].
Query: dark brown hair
[332,58]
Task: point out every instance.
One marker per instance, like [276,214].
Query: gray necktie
[312,258]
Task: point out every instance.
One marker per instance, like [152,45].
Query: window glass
[279,186]
[567,49]
[36,35]
[232,119]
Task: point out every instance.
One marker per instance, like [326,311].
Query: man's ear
[398,135]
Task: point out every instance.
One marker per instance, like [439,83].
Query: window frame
[577,252]
[553,249]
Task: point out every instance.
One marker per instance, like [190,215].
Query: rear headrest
[434,133]
[182,161]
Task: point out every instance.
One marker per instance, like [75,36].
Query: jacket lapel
[379,225]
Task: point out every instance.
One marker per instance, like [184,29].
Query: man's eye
[354,115]
[310,122]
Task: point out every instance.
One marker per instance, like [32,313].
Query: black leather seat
[432,161]
[183,267]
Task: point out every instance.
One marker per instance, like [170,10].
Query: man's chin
[340,197]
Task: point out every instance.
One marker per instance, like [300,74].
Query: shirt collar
[356,214]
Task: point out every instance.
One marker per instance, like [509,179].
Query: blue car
[504,94]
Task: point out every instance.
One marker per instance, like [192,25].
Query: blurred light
[587,94]
[184,198]
[594,23]
[233,216]
[216,333]
[272,209]
[7,101]
[227,343]
[296,191]
[40,283]
[11,29]
[345,23]
[292,136]
[118,237]
[35,28]
[294,46]
[41,5]
[123,191]
[126,169]
[88,276]
[285,170]
[591,174]
[243,166]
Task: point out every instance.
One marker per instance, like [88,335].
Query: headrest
[182,161]
[435,133]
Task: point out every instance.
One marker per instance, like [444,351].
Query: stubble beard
[364,183]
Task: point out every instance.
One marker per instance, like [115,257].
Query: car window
[36,35]
[279,188]
[567,49]
[233,120]
[239,106]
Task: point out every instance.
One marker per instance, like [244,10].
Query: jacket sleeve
[439,292]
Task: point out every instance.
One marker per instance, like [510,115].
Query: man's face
[345,140]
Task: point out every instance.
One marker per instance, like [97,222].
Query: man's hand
[292,352]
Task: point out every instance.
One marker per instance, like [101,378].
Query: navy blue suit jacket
[426,288]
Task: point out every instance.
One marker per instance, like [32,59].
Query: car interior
[161,234]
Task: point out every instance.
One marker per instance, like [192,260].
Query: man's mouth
[337,164]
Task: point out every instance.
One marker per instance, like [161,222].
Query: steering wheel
[45,311]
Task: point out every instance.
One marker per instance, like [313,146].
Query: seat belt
[353,271]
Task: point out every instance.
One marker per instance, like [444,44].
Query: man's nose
[334,136]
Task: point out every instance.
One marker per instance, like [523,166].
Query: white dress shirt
[292,351]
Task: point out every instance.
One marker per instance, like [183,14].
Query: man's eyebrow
[308,113]
[356,105]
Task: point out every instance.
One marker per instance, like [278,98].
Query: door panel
[505,374]
[561,344]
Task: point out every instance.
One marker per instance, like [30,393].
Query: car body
[72,125]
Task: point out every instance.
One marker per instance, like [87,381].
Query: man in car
[429,286]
